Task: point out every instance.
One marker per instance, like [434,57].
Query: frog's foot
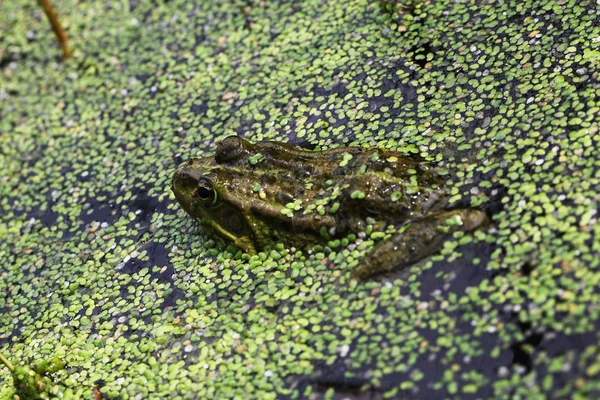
[421,239]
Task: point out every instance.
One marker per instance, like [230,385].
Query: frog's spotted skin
[259,194]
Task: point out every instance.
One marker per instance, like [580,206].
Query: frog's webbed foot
[421,239]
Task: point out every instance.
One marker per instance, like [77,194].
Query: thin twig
[61,36]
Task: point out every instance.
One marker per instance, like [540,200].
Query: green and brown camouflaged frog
[259,194]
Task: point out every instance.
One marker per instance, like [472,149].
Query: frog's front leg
[421,239]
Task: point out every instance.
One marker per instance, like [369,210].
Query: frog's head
[210,190]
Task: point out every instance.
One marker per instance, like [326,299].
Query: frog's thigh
[421,239]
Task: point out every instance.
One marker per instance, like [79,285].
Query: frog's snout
[178,183]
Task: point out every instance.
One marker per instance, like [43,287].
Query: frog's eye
[229,149]
[206,192]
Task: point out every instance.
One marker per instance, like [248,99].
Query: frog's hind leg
[421,239]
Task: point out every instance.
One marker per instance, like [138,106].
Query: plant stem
[61,36]
[8,364]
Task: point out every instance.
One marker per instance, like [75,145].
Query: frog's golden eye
[229,149]
[206,192]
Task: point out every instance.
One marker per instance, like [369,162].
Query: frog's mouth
[244,242]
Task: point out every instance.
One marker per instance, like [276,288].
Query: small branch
[61,36]
[8,364]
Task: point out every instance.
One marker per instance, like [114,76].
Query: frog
[259,194]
